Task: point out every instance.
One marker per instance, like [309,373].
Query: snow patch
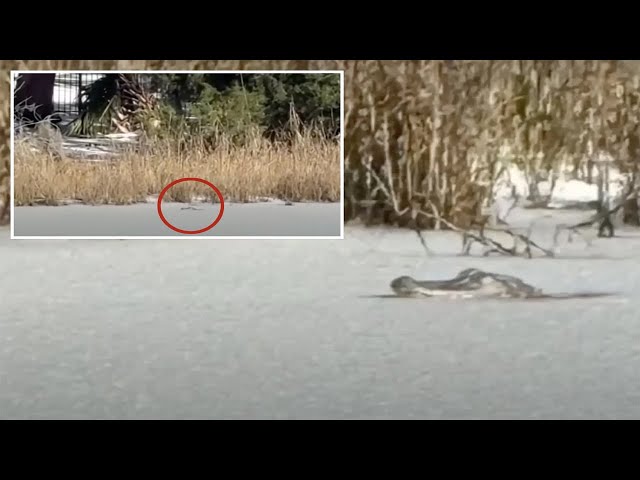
[544,188]
[513,184]
[571,192]
[512,181]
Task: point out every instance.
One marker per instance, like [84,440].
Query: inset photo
[185,155]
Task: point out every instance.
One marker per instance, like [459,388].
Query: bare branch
[494,245]
[394,203]
[602,217]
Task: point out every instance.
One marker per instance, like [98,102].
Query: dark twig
[422,241]
[391,198]
[528,242]
[468,235]
[602,217]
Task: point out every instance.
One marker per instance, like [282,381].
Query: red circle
[190,179]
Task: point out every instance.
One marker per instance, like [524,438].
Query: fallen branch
[468,236]
[528,243]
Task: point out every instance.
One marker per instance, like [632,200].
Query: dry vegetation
[307,170]
[423,139]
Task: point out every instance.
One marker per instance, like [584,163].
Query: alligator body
[469,283]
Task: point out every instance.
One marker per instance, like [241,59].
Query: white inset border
[14,74]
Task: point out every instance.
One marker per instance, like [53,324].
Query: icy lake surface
[239,219]
[282,329]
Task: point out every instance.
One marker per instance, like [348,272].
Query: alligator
[474,283]
[469,283]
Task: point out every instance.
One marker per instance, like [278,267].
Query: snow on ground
[142,219]
[569,188]
[98,148]
[281,329]
[512,181]
[573,191]
[566,191]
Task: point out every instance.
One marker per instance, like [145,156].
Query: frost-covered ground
[239,219]
[283,329]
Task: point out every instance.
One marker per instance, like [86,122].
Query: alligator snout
[404,285]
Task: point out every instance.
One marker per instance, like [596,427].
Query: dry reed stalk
[307,170]
[445,123]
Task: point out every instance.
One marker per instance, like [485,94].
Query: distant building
[66,91]
[47,94]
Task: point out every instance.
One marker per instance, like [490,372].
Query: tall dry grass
[5,90]
[306,170]
[434,133]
